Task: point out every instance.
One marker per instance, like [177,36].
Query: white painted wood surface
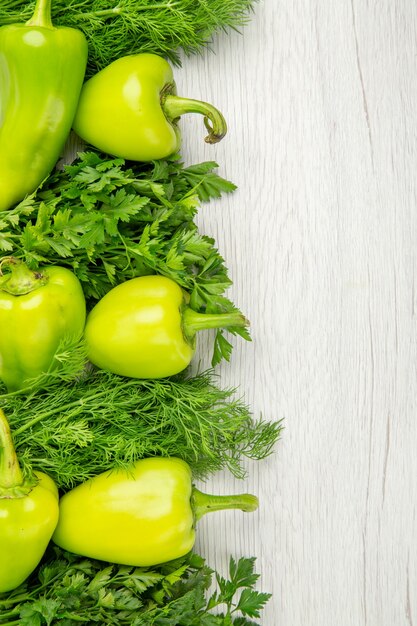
[321,240]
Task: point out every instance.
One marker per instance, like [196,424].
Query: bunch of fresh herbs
[115,28]
[69,590]
[74,423]
[108,221]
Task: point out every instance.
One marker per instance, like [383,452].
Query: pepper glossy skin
[142,516]
[37,311]
[28,515]
[130,109]
[143,328]
[42,69]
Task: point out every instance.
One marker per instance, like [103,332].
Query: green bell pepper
[140,516]
[130,109]
[41,74]
[28,515]
[143,328]
[38,309]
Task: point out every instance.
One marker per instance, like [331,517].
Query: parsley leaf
[251,602]
[67,590]
[204,182]
[109,220]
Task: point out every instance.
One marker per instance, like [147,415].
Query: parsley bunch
[109,221]
[69,590]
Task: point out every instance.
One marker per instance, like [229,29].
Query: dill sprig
[74,428]
[115,28]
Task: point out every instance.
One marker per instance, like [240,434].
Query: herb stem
[118,10]
[13,613]
[22,598]
[10,472]
[103,13]
[70,405]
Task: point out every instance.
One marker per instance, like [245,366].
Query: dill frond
[115,28]
[74,428]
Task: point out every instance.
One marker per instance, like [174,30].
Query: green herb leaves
[73,425]
[242,578]
[67,590]
[117,28]
[109,221]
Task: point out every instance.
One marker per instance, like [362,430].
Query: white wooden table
[321,240]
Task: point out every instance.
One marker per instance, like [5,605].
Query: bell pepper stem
[41,15]
[20,280]
[175,106]
[203,503]
[10,472]
[193,321]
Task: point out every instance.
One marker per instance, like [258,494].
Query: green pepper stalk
[141,516]
[28,514]
[42,69]
[130,109]
[144,328]
[38,310]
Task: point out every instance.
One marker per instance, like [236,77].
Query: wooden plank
[321,239]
